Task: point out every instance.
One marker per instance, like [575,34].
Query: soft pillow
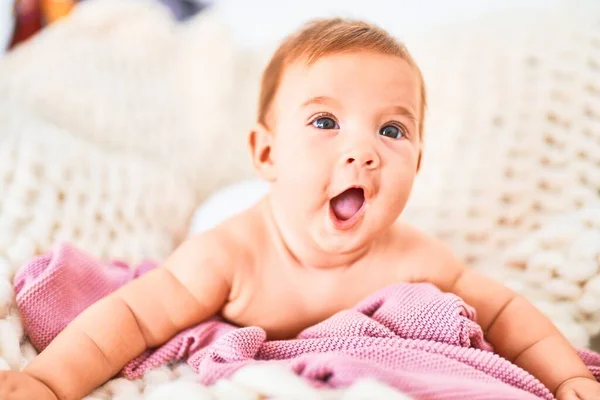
[226,203]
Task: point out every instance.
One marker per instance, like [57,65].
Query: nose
[362,158]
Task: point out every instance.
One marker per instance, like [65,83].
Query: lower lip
[349,223]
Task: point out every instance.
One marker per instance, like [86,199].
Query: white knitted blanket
[116,123]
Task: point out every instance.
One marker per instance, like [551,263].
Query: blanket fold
[411,336]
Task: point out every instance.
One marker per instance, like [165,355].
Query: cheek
[395,194]
[398,184]
[301,159]
[405,154]
[400,171]
[301,177]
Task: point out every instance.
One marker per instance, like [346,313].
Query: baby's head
[339,132]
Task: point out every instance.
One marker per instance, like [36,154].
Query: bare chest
[284,300]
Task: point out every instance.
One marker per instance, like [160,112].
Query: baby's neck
[298,246]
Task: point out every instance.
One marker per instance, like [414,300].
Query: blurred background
[122,120]
[264,21]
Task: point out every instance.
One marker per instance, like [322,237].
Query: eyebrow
[399,110]
[320,100]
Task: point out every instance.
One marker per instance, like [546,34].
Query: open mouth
[347,204]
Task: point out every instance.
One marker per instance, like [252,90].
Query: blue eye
[325,123]
[391,131]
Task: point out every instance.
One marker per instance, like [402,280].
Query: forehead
[357,77]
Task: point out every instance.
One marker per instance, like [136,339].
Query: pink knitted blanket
[411,336]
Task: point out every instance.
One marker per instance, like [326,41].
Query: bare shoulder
[429,259]
[227,243]
[245,230]
[217,253]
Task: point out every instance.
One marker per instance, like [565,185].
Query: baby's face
[345,146]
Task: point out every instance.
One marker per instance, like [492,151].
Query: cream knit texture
[116,122]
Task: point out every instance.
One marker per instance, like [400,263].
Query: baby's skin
[341,153]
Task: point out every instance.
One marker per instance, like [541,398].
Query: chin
[340,245]
[335,241]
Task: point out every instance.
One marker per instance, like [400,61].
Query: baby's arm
[517,330]
[191,286]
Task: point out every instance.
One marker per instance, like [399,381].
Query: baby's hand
[22,386]
[579,389]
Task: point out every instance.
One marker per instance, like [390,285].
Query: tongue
[348,203]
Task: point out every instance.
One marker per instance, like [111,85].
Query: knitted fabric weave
[119,84]
[411,336]
[55,186]
[513,127]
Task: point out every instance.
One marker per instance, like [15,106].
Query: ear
[260,142]
[421,145]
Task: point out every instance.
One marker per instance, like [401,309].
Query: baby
[339,139]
